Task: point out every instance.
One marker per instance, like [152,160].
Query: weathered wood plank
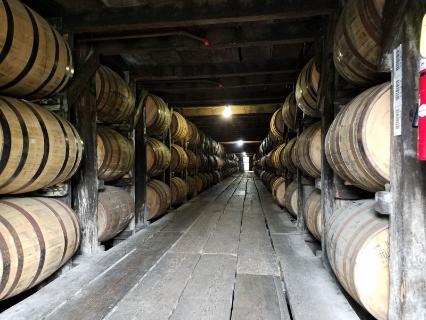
[195,238]
[208,294]
[226,236]
[157,294]
[256,297]
[187,213]
[178,14]
[408,185]
[277,218]
[96,300]
[311,290]
[255,254]
[85,181]
[53,295]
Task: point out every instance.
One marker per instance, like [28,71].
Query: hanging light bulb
[227,112]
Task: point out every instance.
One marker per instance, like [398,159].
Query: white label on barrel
[397,90]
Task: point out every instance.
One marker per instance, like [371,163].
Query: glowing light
[244,154]
[240,143]
[227,112]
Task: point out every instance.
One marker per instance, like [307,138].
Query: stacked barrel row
[357,147]
[40,150]
[115,103]
[195,160]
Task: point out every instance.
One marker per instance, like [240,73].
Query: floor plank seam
[282,279]
[266,223]
[238,248]
[183,289]
[220,216]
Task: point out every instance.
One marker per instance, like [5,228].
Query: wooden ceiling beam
[228,82]
[159,90]
[236,110]
[177,14]
[79,6]
[260,100]
[218,38]
[232,96]
[209,71]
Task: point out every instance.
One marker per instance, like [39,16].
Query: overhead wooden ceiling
[202,52]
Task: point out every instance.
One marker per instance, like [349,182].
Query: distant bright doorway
[246,163]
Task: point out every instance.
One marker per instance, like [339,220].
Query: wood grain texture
[36,59]
[38,236]
[311,290]
[38,148]
[255,254]
[115,211]
[115,154]
[358,39]
[256,297]
[157,294]
[115,100]
[208,294]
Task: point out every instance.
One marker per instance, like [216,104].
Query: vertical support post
[140,161]
[326,105]
[408,184]
[300,180]
[85,190]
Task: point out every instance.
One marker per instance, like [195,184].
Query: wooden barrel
[115,101]
[158,199]
[357,42]
[179,158]
[157,115]
[307,90]
[275,183]
[37,148]
[267,179]
[277,123]
[218,162]
[312,213]
[357,241]
[276,156]
[157,157]
[278,191]
[286,156]
[192,187]
[357,144]
[115,154]
[308,148]
[220,150]
[115,211]
[217,177]
[179,190]
[290,198]
[179,128]
[193,134]
[199,183]
[38,236]
[289,110]
[35,60]
[203,161]
[193,161]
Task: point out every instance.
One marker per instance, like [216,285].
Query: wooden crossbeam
[176,14]
[217,38]
[208,71]
[236,110]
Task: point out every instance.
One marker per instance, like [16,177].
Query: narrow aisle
[210,259]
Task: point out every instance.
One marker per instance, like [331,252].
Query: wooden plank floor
[227,254]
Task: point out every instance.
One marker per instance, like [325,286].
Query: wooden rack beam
[408,181]
[177,14]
